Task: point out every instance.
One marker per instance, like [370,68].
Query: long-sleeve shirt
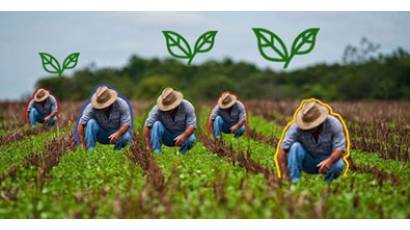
[44,108]
[119,115]
[232,116]
[184,118]
[331,138]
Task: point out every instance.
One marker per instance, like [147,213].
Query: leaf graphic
[177,45]
[205,42]
[70,61]
[50,63]
[271,46]
[304,42]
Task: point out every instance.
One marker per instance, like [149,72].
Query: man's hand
[234,129]
[324,165]
[114,137]
[179,140]
[47,119]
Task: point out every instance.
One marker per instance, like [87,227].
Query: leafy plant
[51,64]
[272,47]
[179,47]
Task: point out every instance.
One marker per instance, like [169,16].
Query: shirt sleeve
[152,117]
[30,105]
[87,114]
[339,139]
[214,113]
[54,104]
[191,117]
[290,137]
[242,111]
[125,112]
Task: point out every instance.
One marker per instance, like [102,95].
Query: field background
[44,175]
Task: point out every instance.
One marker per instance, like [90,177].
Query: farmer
[171,121]
[315,143]
[228,116]
[42,108]
[107,119]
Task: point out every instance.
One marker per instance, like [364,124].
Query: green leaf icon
[272,48]
[305,41]
[179,47]
[71,61]
[271,45]
[50,63]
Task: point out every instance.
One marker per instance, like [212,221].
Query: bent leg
[296,154]
[123,141]
[157,131]
[52,122]
[91,131]
[217,125]
[335,170]
[35,117]
[240,131]
[188,144]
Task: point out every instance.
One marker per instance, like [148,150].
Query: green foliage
[143,78]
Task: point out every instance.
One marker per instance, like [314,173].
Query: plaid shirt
[119,115]
[231,116]
[185,117]
[331,138]
[49,106]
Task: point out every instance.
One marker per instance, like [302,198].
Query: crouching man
[228,116]
[315,143]
[171,121]
[42,108]
[107,119]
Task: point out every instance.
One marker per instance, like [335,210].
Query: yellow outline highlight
[339,117]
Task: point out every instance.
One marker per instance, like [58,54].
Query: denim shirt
[50,105]
[231,116]
[331,138]
[119,115]
[185,117]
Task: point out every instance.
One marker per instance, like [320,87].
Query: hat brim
[162,107]
[43,98]
[229,105]
[324,112]
[97,105]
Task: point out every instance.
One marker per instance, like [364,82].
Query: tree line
[382,77]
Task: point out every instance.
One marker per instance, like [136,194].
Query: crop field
[43,174]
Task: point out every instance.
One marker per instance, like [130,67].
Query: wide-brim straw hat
[226,100]
[311,115]
[103,97]
[169,99]
[41,95]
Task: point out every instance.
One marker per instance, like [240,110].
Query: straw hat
[169,99]
[311,115]
[227,100]
[41,95]
[103,97]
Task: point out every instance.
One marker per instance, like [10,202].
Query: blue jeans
[299,159]
[94,133]
[222,126]
[35,117]
[160,135]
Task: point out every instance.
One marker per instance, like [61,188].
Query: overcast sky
[110,38]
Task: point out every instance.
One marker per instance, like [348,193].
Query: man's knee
[218,120]
[157,125]
[191,139]
[296,147]
[92,125]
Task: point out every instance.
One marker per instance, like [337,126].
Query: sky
[108,39]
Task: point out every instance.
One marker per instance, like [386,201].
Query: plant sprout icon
[51,65]
[272,47]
